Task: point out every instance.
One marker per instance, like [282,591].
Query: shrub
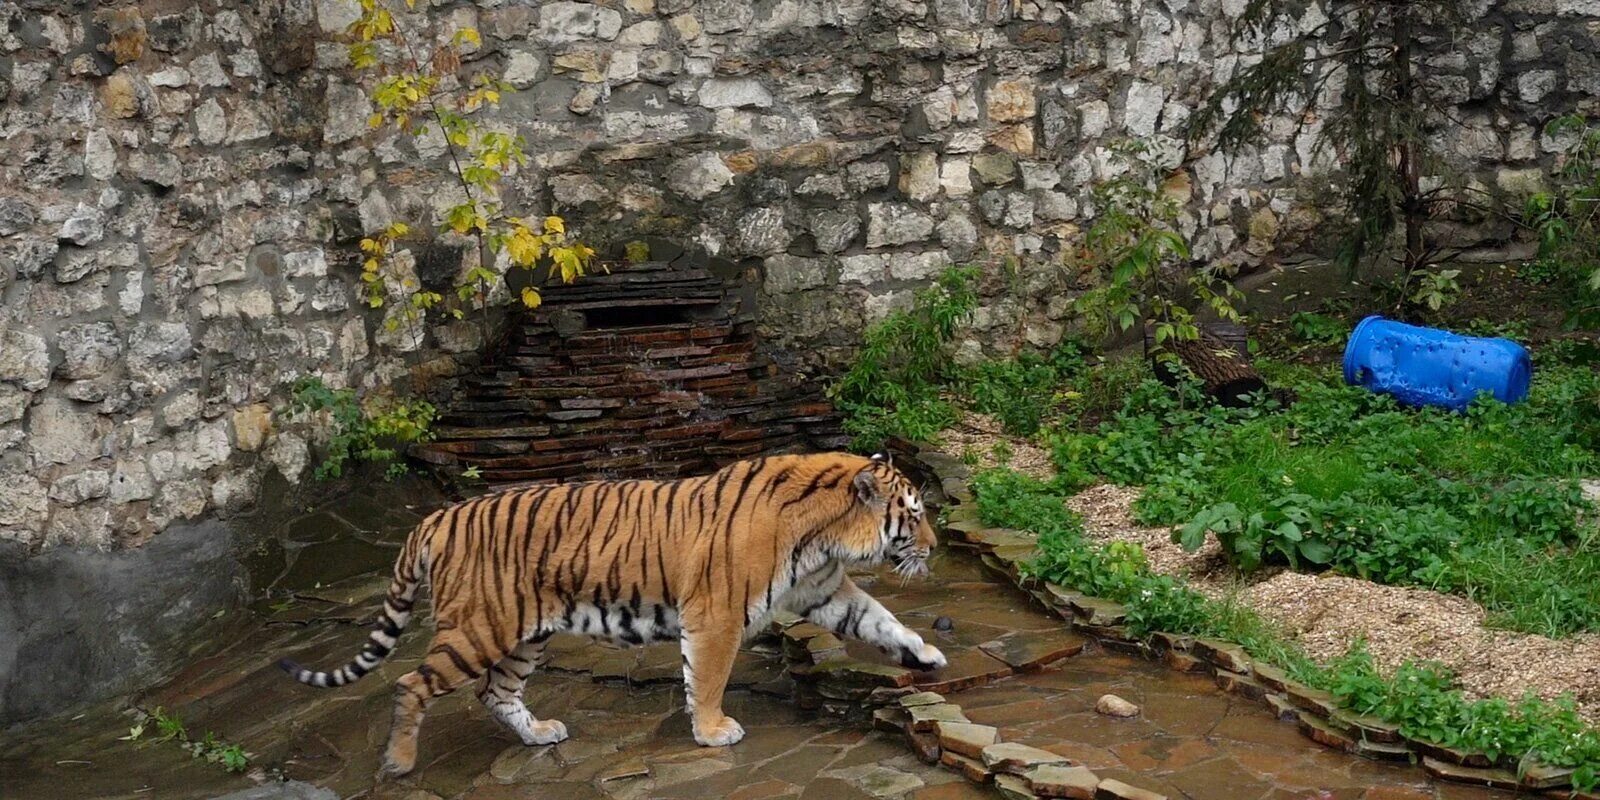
[361,433]
[1022,391]
[1484,504]
[894,387]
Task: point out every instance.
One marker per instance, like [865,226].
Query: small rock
[1114,706]
[88,350]
[1011,101]
[1012,787]
[523,69]
[896,224]
[762,232]
[85,226]
[700,176]
[921,699]
[995,169]
[289,790]
[927,718]
[16,215]
[944,624]
[734,93]
[832,230]
[251,426]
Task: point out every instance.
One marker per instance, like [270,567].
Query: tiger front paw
[549,731]
[926,659]
[723,732]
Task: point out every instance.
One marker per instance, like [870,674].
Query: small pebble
[944,624]
[1114,706]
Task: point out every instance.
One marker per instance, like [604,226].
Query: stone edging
[1313,711]
[937,730]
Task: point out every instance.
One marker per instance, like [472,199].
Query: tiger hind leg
[451,663]
[502,695]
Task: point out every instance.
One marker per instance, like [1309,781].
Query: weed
[1138,259]
[360,433]
[1420,697]
[1485,504]
[169,728]
[894,387]
[1436,289]
[1317,328]
[1021,392]
[1566,223]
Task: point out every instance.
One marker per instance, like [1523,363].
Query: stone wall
[182,183]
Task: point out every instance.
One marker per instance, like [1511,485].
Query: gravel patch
[977,434]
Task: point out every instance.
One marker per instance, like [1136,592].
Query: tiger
[706,560]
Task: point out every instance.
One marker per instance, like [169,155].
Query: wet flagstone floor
[630,737]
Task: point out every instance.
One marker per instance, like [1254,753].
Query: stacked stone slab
[653,370]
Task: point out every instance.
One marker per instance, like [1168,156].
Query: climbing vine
[422,94]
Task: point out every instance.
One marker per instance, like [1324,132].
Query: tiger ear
[884,457]
[867,489]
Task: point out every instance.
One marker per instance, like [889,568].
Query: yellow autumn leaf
[555,225]
[530,297]
[375,120]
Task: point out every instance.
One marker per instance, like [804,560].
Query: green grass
[168,728]
[1484,504]
[1420,697]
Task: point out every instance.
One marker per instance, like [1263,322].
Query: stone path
[1013,667]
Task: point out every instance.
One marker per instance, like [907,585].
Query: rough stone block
[970,768]
[966,738]
[1013,787]
[1016,758]
[1110,789]
[926,719]
[1052,780]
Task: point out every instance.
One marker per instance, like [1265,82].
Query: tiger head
[904,536]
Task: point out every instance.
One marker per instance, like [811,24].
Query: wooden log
[1219,359]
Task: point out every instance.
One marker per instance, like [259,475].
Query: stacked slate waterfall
[652,370]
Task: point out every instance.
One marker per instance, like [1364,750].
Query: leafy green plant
[417,91]
[169,728]
[1566,221]
[1420,697]
[1021,392]
[1436,289]
[894,388]
[1137,262]
[362,433]
[1318,328]
[1485,505]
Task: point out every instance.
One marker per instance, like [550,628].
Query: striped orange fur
[706,560]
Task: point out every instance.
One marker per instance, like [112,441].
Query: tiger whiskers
[910,568]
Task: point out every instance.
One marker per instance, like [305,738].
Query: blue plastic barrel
[1431,367]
